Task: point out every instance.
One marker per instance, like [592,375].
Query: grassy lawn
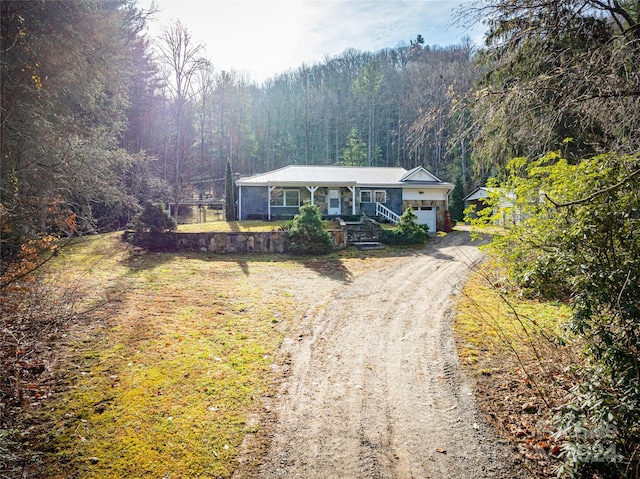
[245,226]
[229,226]
[164,373]
[165,383]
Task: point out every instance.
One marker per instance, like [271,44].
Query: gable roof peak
[420,173]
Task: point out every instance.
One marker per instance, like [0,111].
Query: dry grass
[164,373]
[230,226]
[165,381]
[519,354]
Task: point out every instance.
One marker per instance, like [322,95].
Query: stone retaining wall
[224,243]
[236,242]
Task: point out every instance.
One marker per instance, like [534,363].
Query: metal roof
[308,175]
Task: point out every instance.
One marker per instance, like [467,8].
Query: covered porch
[332,200]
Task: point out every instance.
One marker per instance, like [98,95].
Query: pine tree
[355,153]
[457,200]
[229,193]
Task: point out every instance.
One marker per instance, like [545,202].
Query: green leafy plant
[308,234]
[406,232]
[284,226]
[574,231]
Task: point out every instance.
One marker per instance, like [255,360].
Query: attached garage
[426,216]
[428,197]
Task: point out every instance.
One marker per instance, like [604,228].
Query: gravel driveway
[374,388]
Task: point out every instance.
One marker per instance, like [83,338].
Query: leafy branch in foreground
[584,247]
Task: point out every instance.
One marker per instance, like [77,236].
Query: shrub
[34,310]
[573,232]
[407,231]
[307,233]
[149,226]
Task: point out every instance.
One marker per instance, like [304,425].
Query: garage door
[426,216]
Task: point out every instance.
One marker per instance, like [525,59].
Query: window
[291,198]
[285,197]
[380,196]
[377,196]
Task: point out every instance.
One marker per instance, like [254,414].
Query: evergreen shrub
[307,234]
[406,232]
[150,225]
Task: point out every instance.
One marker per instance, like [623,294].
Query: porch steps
[363,234]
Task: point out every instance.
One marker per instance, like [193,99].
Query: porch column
[269,190]
[352,189]
[240,203]
[312,190]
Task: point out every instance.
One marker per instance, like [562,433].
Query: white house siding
[430,195]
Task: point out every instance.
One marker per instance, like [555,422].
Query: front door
[334,202]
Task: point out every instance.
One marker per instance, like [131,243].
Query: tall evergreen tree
[229,194]
[355,153]
[368,86]
[457,200]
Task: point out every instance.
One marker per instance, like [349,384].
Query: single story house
[345,190]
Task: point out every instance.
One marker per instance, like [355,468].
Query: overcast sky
[267,37]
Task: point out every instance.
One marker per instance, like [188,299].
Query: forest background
[96,118]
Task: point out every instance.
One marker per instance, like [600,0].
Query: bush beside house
[406,232]
[149,226]
[307,234]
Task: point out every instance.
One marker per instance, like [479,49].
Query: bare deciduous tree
[182,59]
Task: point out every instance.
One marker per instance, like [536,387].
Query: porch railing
[382,210]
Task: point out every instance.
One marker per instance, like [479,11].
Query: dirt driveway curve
[374,388]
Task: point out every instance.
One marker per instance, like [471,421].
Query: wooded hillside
[96,118]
